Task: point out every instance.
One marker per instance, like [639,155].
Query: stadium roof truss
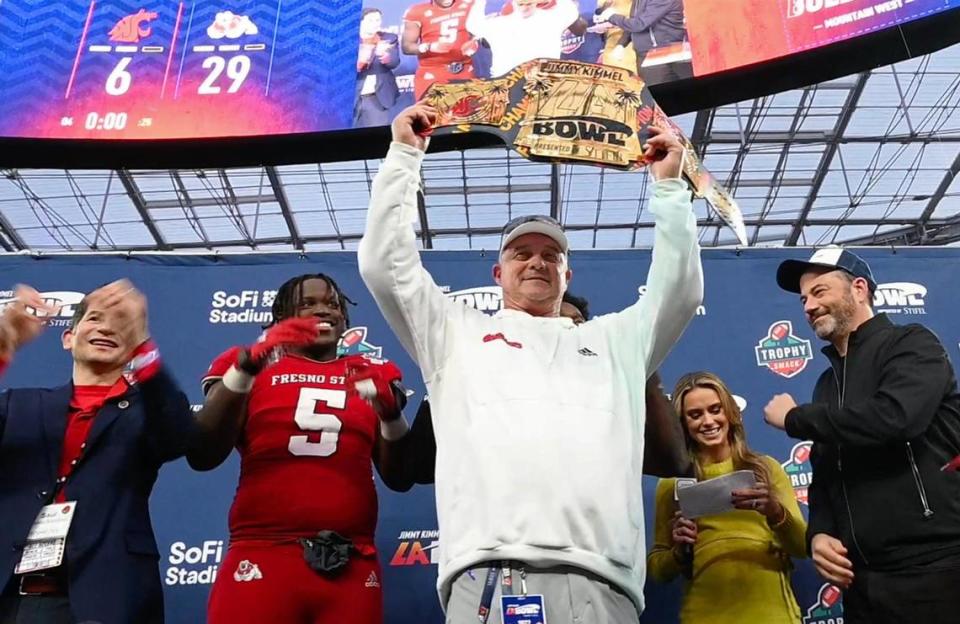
[869,159]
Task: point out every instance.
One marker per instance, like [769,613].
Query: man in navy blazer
[94,445]
[377,57]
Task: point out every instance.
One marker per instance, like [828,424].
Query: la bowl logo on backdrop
[417,548]
[487,299]
[354,342]
[66,300]
[782,352]
[828,609]
[900,298]
[799,470]
[194,565]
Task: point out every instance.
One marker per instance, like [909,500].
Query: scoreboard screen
[199,69]
[168,69]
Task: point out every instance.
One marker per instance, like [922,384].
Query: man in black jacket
[885,418]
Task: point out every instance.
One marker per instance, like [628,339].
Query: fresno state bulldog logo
[799,470]
[828,609]
[247,571]
[783,353]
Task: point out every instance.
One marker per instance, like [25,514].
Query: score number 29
[237,69]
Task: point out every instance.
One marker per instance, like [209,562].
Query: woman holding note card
[740,556]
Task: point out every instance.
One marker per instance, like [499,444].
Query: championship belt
[567,111]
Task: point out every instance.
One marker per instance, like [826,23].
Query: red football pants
[263,583]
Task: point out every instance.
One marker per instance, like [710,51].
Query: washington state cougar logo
[130,29]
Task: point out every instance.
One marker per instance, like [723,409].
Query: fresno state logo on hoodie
[828,609]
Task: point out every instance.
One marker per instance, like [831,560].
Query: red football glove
[470,48]
[292,332]
[375,385]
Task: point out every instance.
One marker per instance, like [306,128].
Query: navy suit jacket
[111,552]
[387,91]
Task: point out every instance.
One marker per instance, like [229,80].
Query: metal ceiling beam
[701,126]
[846,113]
[198,202]
[948,177]
[133,191]
[425,234]
[555,191]
[493,188]
[817,137]
[281,196]
[495,230]
[925,231]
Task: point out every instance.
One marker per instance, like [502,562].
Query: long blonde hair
[743,457]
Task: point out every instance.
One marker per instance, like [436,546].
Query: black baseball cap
[789,272]
[534,224]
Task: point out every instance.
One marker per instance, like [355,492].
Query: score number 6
[308,419]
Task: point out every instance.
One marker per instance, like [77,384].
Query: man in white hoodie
[539,422]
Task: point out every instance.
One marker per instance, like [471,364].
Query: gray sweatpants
[571,596]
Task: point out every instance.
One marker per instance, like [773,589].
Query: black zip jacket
[883,420]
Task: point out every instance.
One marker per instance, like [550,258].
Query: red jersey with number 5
[444,26]
[305,452]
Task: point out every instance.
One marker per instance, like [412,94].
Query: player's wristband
[247,364]
[423,48]
[145,362]
[237,381]
[393,430]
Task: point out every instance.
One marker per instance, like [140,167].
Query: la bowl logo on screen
[828,608]
[66,300]
[799,470]
[900,298]
[417,547]
[782,352]
[193,564]
[354,342]
[487,299]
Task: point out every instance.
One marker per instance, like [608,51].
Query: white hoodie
[539,423]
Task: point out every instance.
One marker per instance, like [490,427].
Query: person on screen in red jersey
[307,423]
[435,32]
[377,56]
[524,30]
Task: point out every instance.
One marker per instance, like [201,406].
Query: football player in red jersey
[307,424]
[434,31]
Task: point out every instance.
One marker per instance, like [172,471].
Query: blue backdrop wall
[748,331]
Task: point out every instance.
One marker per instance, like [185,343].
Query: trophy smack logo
[828,609]
[782,352]
[354,342]
[799,470]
